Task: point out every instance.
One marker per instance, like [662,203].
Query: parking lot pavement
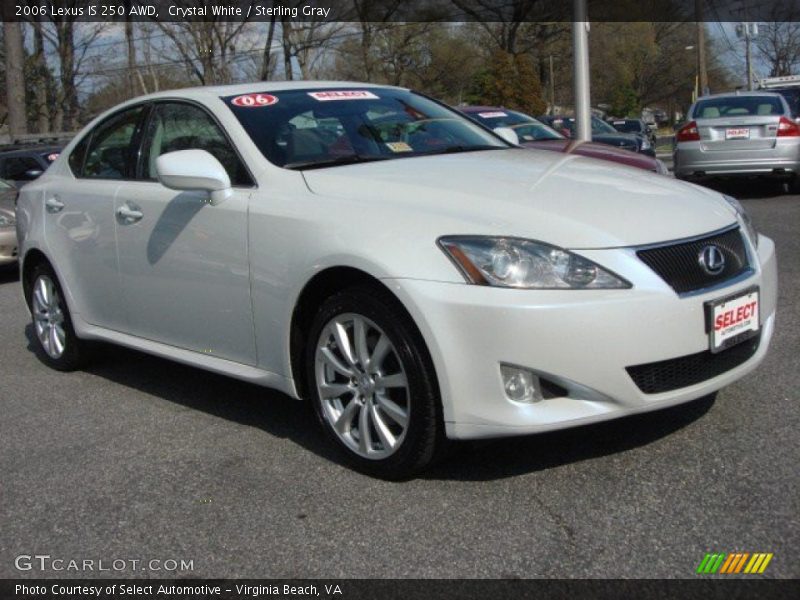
[140,458]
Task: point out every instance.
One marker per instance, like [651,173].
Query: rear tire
[55,338]
[373,385]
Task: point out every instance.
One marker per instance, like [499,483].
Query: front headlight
[749,227]
[645,144]
[525,264]
[6,220]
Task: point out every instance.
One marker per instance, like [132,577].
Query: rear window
[738,106]
[627,126]
[322,127]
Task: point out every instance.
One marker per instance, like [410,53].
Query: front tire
[372,384]
[56,341]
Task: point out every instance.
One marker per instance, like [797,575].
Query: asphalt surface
[140,458]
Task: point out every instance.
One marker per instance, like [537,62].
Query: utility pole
[552,88]
[748,31]
[748,59]
[701,48]
[580,51]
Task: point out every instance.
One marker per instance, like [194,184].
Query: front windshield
[325,127]
[527,128]
[627,126]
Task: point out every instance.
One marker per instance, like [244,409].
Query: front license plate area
[733,319]
[737,133]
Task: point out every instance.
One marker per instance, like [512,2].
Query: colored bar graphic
[703,563]
[728,563]
[740,564]
[718,562]
[764,564]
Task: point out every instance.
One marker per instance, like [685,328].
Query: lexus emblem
[711,260]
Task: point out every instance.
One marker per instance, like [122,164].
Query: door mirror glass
[194,170]
[507,134]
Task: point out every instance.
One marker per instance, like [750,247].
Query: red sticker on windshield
[254,100]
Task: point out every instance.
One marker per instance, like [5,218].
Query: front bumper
[8,246]
[581,339]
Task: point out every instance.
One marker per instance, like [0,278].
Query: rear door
[80,226]
[738,124]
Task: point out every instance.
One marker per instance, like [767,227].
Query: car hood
[567,200]
[595,150]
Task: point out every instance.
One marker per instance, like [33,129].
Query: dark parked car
[603,133]
[636,126]
[23,163]
[535,134]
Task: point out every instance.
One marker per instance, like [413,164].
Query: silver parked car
[749,133]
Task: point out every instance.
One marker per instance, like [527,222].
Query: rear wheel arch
[32,259]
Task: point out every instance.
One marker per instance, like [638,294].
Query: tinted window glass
[110,154]
[628,126]
[314,127]
[17,167]
[78,155]
[178,126]
[738,106]
[527,128]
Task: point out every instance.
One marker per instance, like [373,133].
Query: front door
[184,263]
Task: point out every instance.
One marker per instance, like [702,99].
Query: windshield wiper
[458,148]
[333,162]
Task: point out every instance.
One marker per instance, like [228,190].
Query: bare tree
[508,24]
[15,78]
[206,47]
[73,42]
[778,45]
[41,78]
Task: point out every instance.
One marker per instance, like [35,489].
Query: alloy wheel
[48,317]
[362,386]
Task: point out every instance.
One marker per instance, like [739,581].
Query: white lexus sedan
[411,273]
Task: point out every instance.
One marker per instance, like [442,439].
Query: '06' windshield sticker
[343,95]
[254,100]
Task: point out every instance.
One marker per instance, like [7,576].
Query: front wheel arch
[319,288]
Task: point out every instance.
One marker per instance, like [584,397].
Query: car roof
[204,92]
[740,94]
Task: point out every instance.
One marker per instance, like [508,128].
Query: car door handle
[53,205]
[129,215]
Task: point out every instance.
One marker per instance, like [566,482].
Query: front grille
[676,373]
[679,264]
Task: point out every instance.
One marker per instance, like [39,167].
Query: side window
[110,153]
[17,168]
[179,126]
[78,155]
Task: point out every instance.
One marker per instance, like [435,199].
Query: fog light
[520,384]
